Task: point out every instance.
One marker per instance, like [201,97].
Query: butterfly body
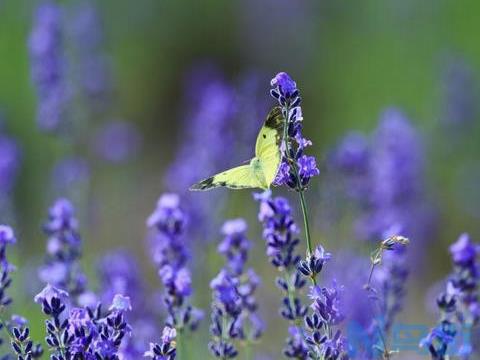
[262,169]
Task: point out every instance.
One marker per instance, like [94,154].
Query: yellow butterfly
[262,169]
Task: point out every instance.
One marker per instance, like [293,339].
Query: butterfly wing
[267,148]
[261,171]
[241,177]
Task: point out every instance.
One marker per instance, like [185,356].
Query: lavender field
[253,180]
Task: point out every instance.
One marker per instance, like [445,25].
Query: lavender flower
[210,120]
[297,347]
[17,328]
[23,346]
[170,255]
[388,292]
[393,206]
[92,64]
[459,93]
[313,264]
[235,245]
[390,279]
[62,268]
[7,237]
[9,164]
[319,339]
[441,336]
[117,142]
[83,333]
[70,176]
[119,274]
[387,174]
[323,335]
[54,305]
[47,66]
[113,330]
[324,340]
[451,303]
[10,161]
[234,305]
[351,159]
[166,349]
[463,285]
[396,182]
[212,112]
[297,168]
[355,304]
[226,310]
[352,154]
[279,232]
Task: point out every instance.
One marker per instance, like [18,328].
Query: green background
[350,59]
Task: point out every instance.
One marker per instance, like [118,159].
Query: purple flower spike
[18,320]
[166,350]
[168,217]
[118,142]
[91,66]
[235,245]
[168,222]
[296,168]
[465,279]
[168,334]
[233,294]
[280,234]
[210,118]
[48,293]
[464,251]
[121,303]
[47,66]
[352,154]
[70,173]
[314,263]
[459,304]
[284,83]
[6,235]
[9,164]
[307,167]
[64,245]
[459,94]
[61,216]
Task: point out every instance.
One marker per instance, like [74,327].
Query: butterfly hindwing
[267,148]
[241,177]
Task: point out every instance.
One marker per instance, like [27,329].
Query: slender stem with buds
[299,189]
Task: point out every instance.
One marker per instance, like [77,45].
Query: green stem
[180,344]
[290,293]
[386,352]
[372,269]
[224,336]
[248,350]
[303,203]
[307,230]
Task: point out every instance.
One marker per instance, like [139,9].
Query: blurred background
[151,96]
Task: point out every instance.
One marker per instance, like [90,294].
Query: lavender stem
[300,188]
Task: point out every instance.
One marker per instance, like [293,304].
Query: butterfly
[262,169]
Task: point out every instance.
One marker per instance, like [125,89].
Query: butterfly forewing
[267,148]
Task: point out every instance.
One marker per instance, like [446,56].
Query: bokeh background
[351,61]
